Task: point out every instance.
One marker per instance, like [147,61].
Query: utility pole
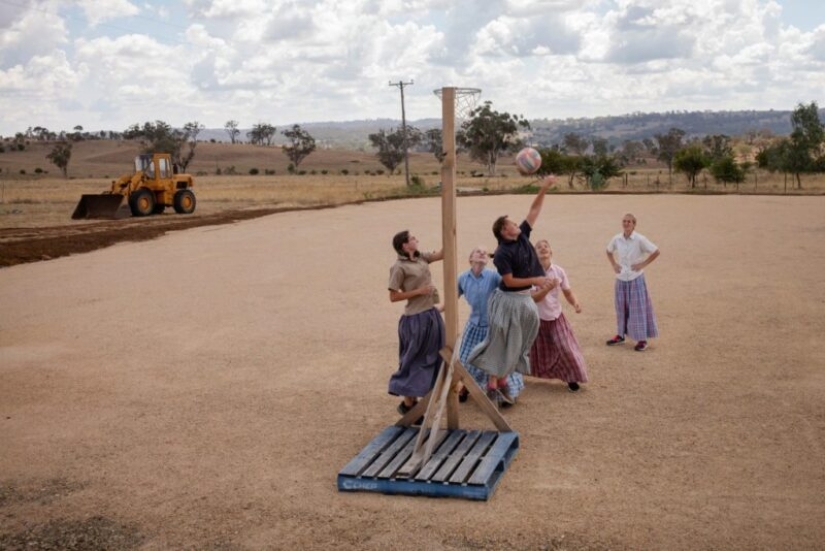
[401,85]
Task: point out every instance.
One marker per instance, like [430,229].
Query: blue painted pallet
[464,464]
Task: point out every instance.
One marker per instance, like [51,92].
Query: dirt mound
[23,245]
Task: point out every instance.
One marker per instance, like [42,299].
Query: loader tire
[184,201]
[142,202]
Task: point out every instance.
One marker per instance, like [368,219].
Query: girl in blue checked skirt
[476,285]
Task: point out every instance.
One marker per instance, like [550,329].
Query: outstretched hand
[548,181]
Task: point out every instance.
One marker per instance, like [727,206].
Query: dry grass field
[332,177]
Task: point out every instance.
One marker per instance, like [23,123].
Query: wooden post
[448,238]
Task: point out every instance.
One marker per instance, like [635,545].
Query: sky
[109,64]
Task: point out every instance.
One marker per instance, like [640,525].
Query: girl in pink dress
[556,353]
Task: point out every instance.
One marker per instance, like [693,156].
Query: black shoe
[403,408]
[494,396]
[618,339]
[463,395]
[506,399]
[573,387]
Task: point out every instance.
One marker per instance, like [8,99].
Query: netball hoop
[464,100]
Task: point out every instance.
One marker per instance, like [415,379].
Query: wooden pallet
[464,464]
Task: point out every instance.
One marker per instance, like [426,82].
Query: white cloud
[98,11]
[28,34]
[286,61]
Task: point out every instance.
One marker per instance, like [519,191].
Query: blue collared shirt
[476,289]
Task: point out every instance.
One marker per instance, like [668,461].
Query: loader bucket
[105,205]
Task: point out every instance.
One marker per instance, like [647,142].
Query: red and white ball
[528,160]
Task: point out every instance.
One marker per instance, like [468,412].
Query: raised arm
[535,208]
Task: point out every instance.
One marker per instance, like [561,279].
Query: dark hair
[399,239]
[498,225]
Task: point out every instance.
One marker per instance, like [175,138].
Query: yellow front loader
[153,186]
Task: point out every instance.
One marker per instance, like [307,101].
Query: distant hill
[546,132]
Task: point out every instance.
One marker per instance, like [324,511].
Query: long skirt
[634,310]
[514,324]
[473,335]
[556,353]
[420,338]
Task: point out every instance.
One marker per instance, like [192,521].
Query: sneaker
[618,339]
[641,346]
[494,396]
[506,399]
[573,387]
[463,395]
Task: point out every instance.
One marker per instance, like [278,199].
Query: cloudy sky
[108,64]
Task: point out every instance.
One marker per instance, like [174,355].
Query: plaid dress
[476,290]
[556,353]
[634,310]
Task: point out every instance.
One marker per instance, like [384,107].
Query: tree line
[487,135]
[161,137]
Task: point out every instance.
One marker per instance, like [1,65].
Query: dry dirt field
[201,390]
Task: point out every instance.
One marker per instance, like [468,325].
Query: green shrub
[253,171]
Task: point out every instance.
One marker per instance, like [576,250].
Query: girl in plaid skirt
[476,285]
[556,353]
[629,254]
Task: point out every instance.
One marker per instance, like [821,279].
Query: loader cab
[153,167]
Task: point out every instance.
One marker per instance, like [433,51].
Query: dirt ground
[202,390]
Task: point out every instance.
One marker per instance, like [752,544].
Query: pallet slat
[497,457]
[468,464]
[456,457]
[399,464]
[367,455]
[440,455]
[389,453]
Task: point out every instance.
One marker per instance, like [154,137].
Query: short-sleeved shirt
[409,274]
[629,251]
[477,289]
[518,258]
[550,306]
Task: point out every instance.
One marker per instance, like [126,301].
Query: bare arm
[511,281]
[616,267]
[535,208]
[396,296]
[539,294]
[435,256]
[647,261]
[571,298]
